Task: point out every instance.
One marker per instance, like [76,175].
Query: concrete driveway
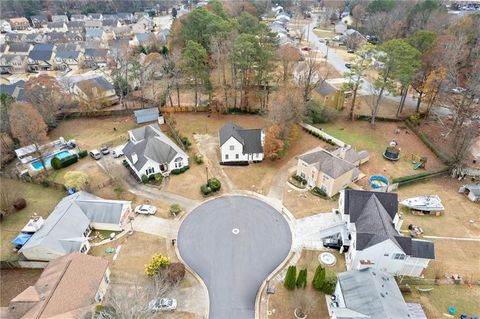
[233,243]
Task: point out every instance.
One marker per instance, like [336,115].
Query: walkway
[167,228]
[307,230]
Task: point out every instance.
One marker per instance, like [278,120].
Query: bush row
[82,154]
[327,140]
[300,179]
[57,163]
[179,170]
[442,156]
[416,177]
[319,192]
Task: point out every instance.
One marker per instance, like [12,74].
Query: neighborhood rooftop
[249,138]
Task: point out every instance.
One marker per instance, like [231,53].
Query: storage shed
[147,115]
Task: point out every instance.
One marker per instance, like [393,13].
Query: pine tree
[290,278]
[319,278]
[302,279]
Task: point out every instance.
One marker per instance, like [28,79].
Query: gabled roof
[39,18]
[251,139]
[150,143]
[373,293]
[78,17]
[14,89]
[327,163]
[355,201]
[41,52]
[64,227]
[110,23]
[76,275]
[67,54]
[75,24]
[58,24]
[98,82]
[94,33]
[97,53]
[59,17]
[19,47]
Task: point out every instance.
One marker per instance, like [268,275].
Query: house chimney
[134,158]
[365,264]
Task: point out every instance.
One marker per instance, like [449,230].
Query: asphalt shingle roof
[251,139]
[327,163]
[41,52]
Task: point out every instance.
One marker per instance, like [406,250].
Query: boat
[429,203]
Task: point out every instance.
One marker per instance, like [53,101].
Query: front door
[163,167]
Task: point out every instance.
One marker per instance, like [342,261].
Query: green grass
[441,298]
[324,33]
[39,199]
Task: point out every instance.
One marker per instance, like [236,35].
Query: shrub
[20,203]
[125,163]
[302,279]
[198,159]
[290,277]
[82,154]
[158,177]
[214,184]
[329,285]
[175,272]
[175,209]
[205,190]
[300,179]
[179,170]
[157,263]
[319,192]
[56,163]
[69,160]
[144,178]
[186,142]
[319,278]
[76,180]
[416,177]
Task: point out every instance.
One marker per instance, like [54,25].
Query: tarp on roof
[21,239]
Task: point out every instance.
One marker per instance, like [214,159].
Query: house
[340,27]
[302,73]
[67,58]
[144,24]
[35,38]
[78,17]
[110,17]
[147,115]
[83,278]
[95,35]
[59,26]
[150,152]
[5,26]
[40,57]
[14,89]
[352,39]
[371,232]
[20,23]
[3,47]
[125,17]
[12,63]
[18,48]
[76,26]
[163,34]
[368,293]
[14,37]
[142,39]
[56,37]
[67,228]
[241,145]
[95,16]
[60,18]
[121,32]
[326,171]
[109,25]
[95,91]
[74,36]
[331,95]
[349,154]
[472,191]
[138,15]
[96,57]
[93,24]
[39,21]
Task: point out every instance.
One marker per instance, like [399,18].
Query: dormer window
[134,158]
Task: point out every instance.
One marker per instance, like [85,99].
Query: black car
[348,65]
[332,243]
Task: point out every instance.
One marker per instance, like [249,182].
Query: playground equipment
[392,153]
[377,181]
[419,161]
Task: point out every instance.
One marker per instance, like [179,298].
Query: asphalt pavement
[233,243]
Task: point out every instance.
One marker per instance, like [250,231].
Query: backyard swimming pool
[37,165]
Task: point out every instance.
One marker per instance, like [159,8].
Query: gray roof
[3,46]
[325,89]
[78,17]
[64,227]
[14,89]
[38,18]
[94,33]
[110,17]
[146,115]
[75,24]
[67,54]
[55,37]
[142,37]
[327,163]
[373,214]
[373,293]
[251,139]
[93,24]
[110,23]
[96,52]
[60,17]
[67,47]
[95,16]
[58,24]
[41,52]
[14,37]
[416,311]
[474,189]
[150,143]
[19,47]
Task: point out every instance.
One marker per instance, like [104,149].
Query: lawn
[97,177]
[438,301]
[188,183]
[39,199]
[92,133]
[14,281]
[362,136]
[282,303]
[321,33]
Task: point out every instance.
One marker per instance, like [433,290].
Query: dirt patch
[460,219]
[188,183]
[14,281]
[303,203]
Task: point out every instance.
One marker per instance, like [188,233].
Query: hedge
[319,192]
[82,154]
[417,177]
[179,170]
[442,156]
[144,178]
[327,140]
[69,160]
[56,163]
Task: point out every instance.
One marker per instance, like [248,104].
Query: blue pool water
[37,165]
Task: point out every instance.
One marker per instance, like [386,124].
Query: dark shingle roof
[19,47]
[66,54]
[58,24]
[38,18]
[327,163]
[251,139]
[423,249]
[41,52]
[355,200]
[96,52]
[14,89]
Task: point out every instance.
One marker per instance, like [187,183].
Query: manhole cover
[235,231]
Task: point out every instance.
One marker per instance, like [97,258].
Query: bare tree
[309,76]
[288,54]
[221,49]
[286,110]
[8,193]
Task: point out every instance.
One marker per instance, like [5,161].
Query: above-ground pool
[37,165]
[378,181]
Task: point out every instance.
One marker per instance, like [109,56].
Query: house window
[386,254]
[236,156]
[232,147]
[226,156]
[399,256]
[98,297]
[302,175]
[106,279]
[87,231]
[84,249]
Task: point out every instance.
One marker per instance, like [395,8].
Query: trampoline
[377,181]
[392,153]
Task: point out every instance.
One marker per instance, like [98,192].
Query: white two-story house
[373,236]
[150,152]
[241,145]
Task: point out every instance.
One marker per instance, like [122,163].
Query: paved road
[339,64]
[233,266]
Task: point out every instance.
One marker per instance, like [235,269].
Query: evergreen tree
[319,278]
[290,277]
[302,279]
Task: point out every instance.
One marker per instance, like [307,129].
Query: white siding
[381,255]
[235,155]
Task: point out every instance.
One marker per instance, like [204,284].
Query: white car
[95,154]
[117,153]
[146,209]
[162,304]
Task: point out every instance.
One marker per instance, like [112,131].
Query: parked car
[145,209]
[458,90]
[104,150]
[95,154]
[162,304]
[117,153]
[350,51]
[306,49]
[333,243]
[348,65]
